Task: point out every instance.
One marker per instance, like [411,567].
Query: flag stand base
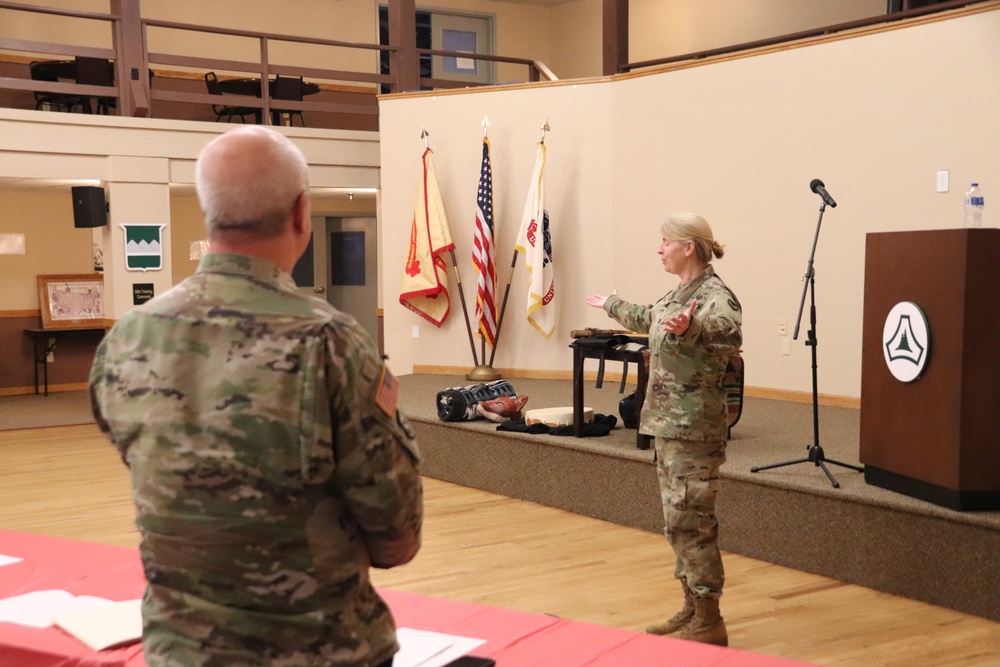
[483,373]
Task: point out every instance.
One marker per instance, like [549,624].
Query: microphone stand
[815,452]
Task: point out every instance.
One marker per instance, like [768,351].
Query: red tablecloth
[82,568]
[514,639]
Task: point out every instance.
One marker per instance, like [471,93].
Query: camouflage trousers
[688,473]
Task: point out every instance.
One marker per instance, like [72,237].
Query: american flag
[387,392]
[483,253]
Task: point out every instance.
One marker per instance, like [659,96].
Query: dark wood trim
[404,65]
[60,12]
[132,66]
[615,38]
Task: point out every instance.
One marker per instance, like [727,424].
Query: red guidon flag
[425,278]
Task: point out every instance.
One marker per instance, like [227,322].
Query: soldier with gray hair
[693,330]
[271,468]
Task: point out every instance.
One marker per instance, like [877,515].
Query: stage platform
[792,516]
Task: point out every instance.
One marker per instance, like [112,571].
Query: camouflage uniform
[270,470]
[685,408]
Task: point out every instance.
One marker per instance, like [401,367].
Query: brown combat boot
[680,619]
[707,625]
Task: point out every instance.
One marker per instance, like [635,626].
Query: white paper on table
[9,560]
[108,626]
[423,648]
[37,608]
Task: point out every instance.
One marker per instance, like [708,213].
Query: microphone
[817,186]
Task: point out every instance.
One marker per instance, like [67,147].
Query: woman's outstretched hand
[597,300]
[679,323]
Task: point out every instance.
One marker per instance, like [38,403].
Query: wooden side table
[582,353]
[45,341]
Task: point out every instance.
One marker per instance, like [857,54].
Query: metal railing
[134,94]
[54,49]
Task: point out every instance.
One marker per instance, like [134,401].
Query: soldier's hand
[597,300]
[679,323]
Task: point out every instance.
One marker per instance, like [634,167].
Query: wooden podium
[936,437]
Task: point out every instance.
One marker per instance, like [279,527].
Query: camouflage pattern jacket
[685,399]
[270,469]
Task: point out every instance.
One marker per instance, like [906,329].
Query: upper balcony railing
[154,76]
[174,85]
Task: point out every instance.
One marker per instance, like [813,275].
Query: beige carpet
[67,408]
[769,431]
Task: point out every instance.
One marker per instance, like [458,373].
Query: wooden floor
[480,547]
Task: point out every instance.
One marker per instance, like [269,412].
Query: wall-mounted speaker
[89,209]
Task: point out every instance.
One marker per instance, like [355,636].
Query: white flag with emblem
[535,241]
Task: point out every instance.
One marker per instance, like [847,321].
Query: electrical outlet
[416,331]
[786,347]
[782,327]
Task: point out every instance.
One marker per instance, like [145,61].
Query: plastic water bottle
[974,207]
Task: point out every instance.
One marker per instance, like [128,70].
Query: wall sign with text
[141,293]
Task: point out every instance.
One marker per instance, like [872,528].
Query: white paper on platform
[36,609]
[423,648]
[9,560]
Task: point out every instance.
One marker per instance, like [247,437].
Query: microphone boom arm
[807,278]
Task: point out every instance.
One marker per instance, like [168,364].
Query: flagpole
[483,372]
[465,310]
[503,306]
[545,128]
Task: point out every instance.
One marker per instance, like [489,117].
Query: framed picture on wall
[71,300]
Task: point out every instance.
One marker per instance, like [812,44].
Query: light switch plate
[942,180]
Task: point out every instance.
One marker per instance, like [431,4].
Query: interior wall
[344,20]
[739,141]
[567,37]
[663,28]
[52,244]
[188,222]
[521,31]
[47,153]
[579,161]
[43,27]
[576,31]
[66,149]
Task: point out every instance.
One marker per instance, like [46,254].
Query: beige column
[138,192]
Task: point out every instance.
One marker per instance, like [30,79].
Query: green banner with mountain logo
[143,247]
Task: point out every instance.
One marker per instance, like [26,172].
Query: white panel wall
[873,116]
[578,181]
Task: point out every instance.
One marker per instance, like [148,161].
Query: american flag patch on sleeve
[387,392]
